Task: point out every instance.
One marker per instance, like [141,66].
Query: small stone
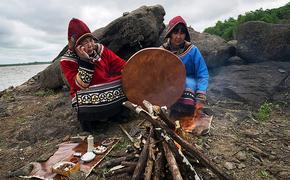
[125,13]
[241,166]
[282,70]
[287,133]
[251,133]
[273,153]
[272,158]
[229,166]
[242,156]
[28,149]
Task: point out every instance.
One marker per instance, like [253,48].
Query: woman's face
[88,44]
[177,37]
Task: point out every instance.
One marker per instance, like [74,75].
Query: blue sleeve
[201,72]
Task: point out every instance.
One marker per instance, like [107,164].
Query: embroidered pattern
[101,98]
[70,54]
[85,75]
[188,94]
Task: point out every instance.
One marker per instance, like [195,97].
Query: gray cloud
[34,30]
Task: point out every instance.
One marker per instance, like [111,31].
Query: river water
[17,75]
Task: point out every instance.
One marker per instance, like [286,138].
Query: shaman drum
[155,75]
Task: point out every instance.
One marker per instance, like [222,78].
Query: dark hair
[179,27]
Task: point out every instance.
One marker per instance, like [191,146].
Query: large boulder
[252,84]
[125,36]
[259,41]
[136,30]
[216,51]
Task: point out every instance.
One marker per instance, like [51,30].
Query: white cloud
[34,30]
[98,16]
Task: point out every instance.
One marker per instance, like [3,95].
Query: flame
[188,123]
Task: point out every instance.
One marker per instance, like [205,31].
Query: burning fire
[198,123]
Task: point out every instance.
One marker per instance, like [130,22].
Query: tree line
[227,28]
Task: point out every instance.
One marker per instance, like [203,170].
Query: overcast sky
[36,30]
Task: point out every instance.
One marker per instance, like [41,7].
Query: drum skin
[155,75]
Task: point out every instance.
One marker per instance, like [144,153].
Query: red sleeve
[116,64]
[70,71]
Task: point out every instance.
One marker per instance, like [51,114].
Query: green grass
[119,147]
[264,111]
[264,174]
[3,143]
[122,145]
[21,120]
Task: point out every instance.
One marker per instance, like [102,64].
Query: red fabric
[107,69]
[76,29]
[43,170]
[172,23]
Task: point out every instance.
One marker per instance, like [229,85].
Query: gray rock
[259,41]
[282,70]
[138,29]
[241,166]
[215,50]
[233,43]
[229,166]
[235,60]
[250,83]
[242,156]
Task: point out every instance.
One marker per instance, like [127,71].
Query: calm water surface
[17,75]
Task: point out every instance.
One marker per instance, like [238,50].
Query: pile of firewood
[164,149]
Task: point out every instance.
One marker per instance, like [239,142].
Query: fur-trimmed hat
[173,23]
[77,30]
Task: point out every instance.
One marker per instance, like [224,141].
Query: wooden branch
[128,169]
[171,162]
[150,161]
[186,168]
[166,119]
[188,147]
[160,112]
[129,163]
[193,160]
[116,161]
[143,158]
[127,134]
[158,166]
[117,176]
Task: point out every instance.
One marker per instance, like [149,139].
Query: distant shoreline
[24,64]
